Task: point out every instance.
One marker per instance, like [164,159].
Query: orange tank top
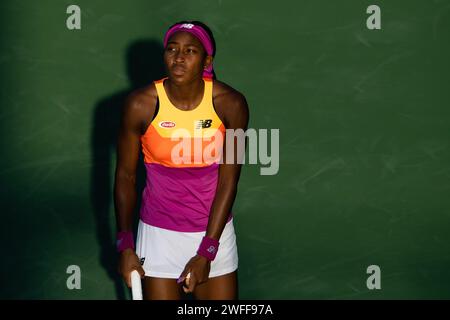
[180,138]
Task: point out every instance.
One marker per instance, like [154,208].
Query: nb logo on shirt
[202,124]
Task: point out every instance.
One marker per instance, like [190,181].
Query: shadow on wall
[144,62]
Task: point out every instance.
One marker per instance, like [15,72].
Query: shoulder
[141,101]
[140,106]
[142,98]
[229,102]
[222,92]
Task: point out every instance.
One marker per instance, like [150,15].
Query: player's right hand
[128,262]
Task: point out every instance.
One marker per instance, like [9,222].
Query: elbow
[124,188]
[123,176]
[229,184]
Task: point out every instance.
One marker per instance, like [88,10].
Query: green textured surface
[364,142]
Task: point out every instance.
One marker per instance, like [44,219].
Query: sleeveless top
[182,150]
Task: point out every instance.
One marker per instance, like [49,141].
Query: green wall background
[364,142]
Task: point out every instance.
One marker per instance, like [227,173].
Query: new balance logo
[187,25]
[202,124]
[142,261]
[211,249]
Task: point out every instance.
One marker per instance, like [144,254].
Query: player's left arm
[234,108]
[234,112]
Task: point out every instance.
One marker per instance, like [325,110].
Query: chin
[181,79]
[177,78]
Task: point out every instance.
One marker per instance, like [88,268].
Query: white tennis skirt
[165,253]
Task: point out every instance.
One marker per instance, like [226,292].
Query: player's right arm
[135,113]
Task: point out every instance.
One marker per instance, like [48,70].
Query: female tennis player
[185,239]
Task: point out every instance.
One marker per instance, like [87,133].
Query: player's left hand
[198,269]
